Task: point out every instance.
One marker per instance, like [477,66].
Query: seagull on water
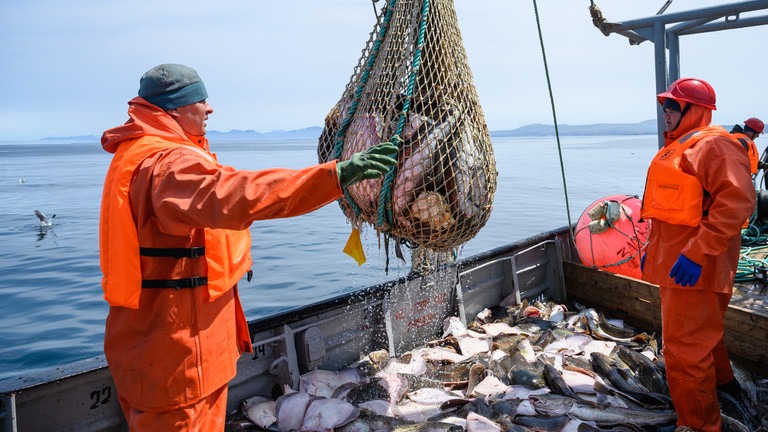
[44,220]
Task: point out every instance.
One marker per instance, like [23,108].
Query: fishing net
[413,86]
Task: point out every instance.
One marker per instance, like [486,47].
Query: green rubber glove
[370,164]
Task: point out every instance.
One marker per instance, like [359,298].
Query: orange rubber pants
[206,415]
[694,353]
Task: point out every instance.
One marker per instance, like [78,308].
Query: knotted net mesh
[413,86]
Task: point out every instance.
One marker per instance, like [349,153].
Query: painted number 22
[101,397]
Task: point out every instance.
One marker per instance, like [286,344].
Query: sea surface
[52,312]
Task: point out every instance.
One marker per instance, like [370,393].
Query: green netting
[413,86]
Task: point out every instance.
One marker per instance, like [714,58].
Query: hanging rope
[385,210]
[342,132]
[554,117]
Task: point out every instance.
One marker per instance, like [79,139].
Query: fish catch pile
[413,87]
[529,367]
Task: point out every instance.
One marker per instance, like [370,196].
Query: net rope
[413,86]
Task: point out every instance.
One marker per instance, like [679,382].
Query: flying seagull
[44,220]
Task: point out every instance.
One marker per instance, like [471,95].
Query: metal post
[662,83]
[695,21]
[673,42]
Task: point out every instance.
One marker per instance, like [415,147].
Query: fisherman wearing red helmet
[698,193]
[747,135]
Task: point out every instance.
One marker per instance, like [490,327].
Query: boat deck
[752,293]
[638,303]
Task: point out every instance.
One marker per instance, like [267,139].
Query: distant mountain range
[647,127]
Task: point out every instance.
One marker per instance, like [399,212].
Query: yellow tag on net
[354,247]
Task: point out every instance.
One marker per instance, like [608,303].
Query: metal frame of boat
[698,21]
[401,314]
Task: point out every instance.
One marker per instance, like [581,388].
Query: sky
[69,68]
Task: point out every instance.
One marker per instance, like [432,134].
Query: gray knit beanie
[171,86]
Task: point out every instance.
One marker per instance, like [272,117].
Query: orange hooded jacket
[167,348]
[751,148]
[720,165]
[692,316]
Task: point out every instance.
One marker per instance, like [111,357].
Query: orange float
[609,235]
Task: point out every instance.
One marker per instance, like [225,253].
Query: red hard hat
[692,90]
[755,124]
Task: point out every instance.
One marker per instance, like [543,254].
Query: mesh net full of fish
[413,86]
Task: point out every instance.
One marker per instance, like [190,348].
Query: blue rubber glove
[370,164]
[685,271]
[642,261]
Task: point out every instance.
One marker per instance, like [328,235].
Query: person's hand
[685,271]
[369,164]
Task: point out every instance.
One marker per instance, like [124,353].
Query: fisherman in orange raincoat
[698,193]
[747,135]
[174,241]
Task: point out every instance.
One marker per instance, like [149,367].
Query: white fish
[649,352]
[557,314]
[501,328]
[439,354]
[601,346]
[474,344]
[569,345]
[490,385]
[326,414]
[453,326]
[525,348]
[526,408]
[395,384]
[478,423]
[522,392]
[498,354]
[416,412]
[260,410]
[458,421]
[431,396]
[324,383]
[416,366]
[290,410]
[579,382]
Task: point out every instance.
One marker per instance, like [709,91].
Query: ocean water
[52,312]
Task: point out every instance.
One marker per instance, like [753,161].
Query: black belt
[192,282]
[178,253]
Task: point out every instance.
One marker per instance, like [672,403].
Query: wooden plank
[633,301]
[637,303]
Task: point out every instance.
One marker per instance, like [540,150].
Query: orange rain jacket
[172,347]
[720,165]
[751,148]
[692,316]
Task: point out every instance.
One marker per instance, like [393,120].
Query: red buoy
[610,236]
